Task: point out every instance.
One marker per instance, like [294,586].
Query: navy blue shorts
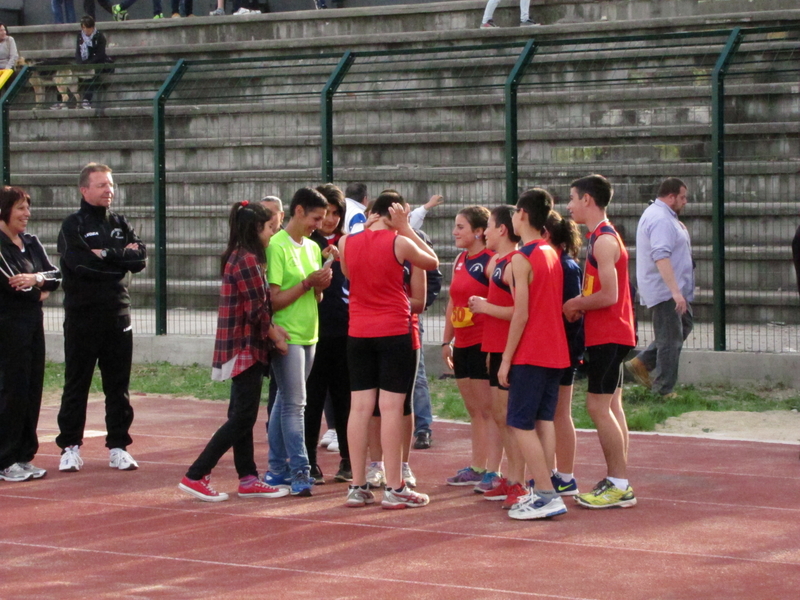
[533,395]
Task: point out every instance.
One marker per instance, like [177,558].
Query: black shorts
[495,358]
[408,402]
[385,363]
[568,376]
[604,367]
[533,395]
[470,363]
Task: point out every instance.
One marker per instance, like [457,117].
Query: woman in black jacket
[26,278]
[90,49]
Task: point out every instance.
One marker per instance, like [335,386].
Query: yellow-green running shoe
[607,495]
[118,13]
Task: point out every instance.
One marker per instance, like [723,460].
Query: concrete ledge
[707,367]
[175,349]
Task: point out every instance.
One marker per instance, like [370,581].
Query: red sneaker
[498,493]
[259,489]
[513,493]
[202,489]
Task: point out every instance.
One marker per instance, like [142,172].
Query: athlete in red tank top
[612,324]
[379,306]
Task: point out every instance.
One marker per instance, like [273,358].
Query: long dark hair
[246,220]
[563,233]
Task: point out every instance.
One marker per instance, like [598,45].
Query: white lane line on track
[326,574]
[507,538]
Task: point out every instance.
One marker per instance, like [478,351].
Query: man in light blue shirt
[665,276]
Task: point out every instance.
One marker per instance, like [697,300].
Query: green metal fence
[475,123]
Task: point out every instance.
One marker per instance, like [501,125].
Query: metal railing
[475,123]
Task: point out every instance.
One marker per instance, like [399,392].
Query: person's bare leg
[392,436]
[612,438]
[477,433]
[619,413]
[362,403]
[515,473]
[374,439]
[408,435]
[566,438]
[536,445]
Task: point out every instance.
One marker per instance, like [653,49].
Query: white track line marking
[326,574]
[538,540]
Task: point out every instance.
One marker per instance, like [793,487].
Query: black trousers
[88,7]
[104,339]
[21,377]
[328,376]
[237,432]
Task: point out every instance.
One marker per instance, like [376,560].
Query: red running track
[715,519]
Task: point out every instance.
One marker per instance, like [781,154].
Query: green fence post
[718,182]
[5,136]
[160,191]
[511,85]
[326,114]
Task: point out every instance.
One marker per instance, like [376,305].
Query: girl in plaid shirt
[245,335]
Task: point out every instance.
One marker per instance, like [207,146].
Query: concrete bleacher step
[430,23]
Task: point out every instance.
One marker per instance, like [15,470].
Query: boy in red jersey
[536,354]
[608,326]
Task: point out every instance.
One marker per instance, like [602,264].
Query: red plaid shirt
[244,316]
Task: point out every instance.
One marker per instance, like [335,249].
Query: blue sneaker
[280,481]
[564,488]
[302,483]
[489,481]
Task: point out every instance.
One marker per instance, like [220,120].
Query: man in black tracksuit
[98,249]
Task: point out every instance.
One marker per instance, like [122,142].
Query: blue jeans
[423,416]
[286,431]
[63,11]
[663,355]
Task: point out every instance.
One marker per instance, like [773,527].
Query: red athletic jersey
[469,279]
[379,306]
[495,331]
[612,324]
[543,342]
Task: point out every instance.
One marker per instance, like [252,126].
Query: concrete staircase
[600,111]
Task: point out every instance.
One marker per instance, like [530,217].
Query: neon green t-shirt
[288,263]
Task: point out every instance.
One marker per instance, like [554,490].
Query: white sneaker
[243,11]
[14,473]
[327,438]
[120,459]
[334,445]
[71,459]
[36,472]
[375,476]
[409,477]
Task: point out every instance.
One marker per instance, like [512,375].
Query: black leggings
[328,376]
[237,431]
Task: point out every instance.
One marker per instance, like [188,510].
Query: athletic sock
[546,495]
[478,470]
[248,480]
[377,463]
[620,484]
[564,476]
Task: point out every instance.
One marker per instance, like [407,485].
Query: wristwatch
[103,253]
[39,279]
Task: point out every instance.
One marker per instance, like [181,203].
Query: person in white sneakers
[524,14]
[98,249]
